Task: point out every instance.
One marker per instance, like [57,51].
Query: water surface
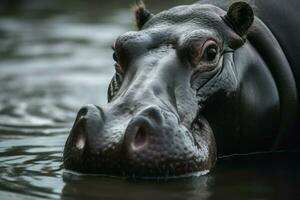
[55,56]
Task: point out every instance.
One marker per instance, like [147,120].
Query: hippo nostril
[81,141]
[79,133]
[83,111]
[140,140]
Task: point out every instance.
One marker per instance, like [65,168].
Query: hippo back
[283,19]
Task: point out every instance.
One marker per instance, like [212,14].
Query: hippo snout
[151,143]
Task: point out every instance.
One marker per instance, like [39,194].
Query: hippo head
[174,91]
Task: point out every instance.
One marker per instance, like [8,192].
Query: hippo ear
[240,17]
[142,15]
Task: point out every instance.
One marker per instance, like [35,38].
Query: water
[55,56]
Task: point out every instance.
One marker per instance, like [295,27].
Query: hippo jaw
[166,74]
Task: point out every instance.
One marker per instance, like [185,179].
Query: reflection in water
[54,58]
[109,188]
[262,176]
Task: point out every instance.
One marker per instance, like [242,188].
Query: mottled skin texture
[192,80]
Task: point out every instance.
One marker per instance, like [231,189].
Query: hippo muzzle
[168,74]
[151,142]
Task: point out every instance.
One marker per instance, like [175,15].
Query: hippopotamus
[191,84]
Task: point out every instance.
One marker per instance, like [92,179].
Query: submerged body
[193,80]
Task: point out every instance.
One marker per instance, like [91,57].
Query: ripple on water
[49,68]
[31,165]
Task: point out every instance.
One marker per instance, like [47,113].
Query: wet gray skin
[167,74]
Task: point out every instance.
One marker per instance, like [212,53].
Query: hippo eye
[211,52]
[115,57]
[117,79]
[118,67]
[205,56]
